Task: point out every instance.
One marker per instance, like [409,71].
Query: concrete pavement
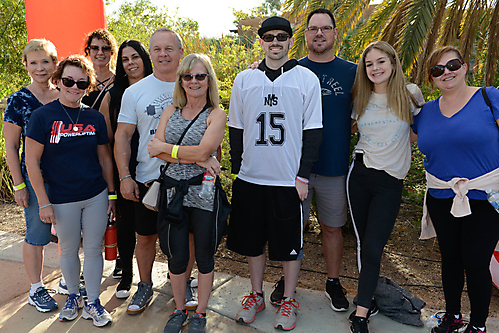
[16,315]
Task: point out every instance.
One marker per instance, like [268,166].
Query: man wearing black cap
[275,123]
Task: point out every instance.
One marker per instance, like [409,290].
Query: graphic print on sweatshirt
[59,129]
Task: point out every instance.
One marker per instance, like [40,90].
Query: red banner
[64,22]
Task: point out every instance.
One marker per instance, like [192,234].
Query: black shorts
[145,219]
[262,214]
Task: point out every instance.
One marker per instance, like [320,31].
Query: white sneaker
[97,313]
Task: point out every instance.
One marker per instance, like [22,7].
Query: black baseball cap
[275,23]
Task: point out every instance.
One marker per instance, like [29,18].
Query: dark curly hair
[78,61]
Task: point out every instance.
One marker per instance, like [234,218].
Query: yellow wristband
[175,151]
[113,197]
[233,175]
[20,186]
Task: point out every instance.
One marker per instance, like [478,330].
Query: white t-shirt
[273,115]
[142,105]
[385,138]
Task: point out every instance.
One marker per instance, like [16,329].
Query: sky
[214,16]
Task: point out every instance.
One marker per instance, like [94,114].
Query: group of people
[290,124]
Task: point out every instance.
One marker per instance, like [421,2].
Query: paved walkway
[16,315]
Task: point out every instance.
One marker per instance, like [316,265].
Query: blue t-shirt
[69,161]
[20,106]
[336,78]
[464,145]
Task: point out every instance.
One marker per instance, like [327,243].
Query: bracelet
[175,151]
[233,175]
[113,196]
[302,180]
[125,177]
[111,192]
[19,187]
[45,206]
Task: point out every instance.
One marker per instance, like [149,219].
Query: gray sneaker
[140,299]
[177,319]
[197,323]
[97,313]
[70,309]
[191,303]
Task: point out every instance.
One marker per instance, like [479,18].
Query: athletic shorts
[145,219]
[330,197]
[262,214]
[37,232]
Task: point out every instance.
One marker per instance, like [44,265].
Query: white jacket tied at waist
[460,186]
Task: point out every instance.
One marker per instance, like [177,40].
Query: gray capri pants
[89,216]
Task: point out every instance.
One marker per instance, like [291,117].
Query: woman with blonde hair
[40,59]
[382,113]
[458,134]
[195,104]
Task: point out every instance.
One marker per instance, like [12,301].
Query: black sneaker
[449,324]
[373,310]
[177,320]
[359,325]
[278,293]
[118,269]
[123,288]
[336,294]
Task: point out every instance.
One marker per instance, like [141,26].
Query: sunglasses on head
[97,48]
[452,65]
[70,82]
[198,77]
[270,38]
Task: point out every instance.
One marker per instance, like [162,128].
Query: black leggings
[125,228]
[374,199]
[200,222]
[466,245]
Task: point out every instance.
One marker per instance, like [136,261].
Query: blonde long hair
[398,96]
[179,97]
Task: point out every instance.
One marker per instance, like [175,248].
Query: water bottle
[435,319]
[493,198]
[207,186]
[110,241]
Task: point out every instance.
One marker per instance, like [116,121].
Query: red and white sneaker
[251,305]
[286,314]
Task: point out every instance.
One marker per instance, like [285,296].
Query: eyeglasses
[70,82]
[324,29]
[452,65]
[270,38]
[198,77]
[96,48]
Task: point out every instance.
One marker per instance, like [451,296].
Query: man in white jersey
[141,108]
[275,123]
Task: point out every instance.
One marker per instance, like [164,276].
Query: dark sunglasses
[198,77]
[452,65]
[70,82]
[97,48]
[270,38]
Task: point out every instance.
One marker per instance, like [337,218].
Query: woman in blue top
[69,141]
[40,60]
[458,134]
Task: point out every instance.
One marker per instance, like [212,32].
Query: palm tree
[415,28]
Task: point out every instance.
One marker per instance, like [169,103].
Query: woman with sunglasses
[101,48]
[382,113]
[69,141]
[458,133]
[133,65]
[195,95]
[40,60]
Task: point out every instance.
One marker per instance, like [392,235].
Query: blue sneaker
[42,300]
[63,288]
[70,309]
[97,313]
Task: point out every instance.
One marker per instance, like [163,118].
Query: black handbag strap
[182,137]
[487,101]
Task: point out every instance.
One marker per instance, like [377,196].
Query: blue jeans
[37,232]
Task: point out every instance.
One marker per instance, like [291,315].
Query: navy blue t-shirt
[69,161]
[465,145]
[336,78]
[20,106]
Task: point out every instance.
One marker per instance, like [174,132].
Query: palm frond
[392,31]
[371,29]
[493,45]
[450,28]
[469,28]
[416,26]
[349,14]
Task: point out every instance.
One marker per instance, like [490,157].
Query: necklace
[75,128]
